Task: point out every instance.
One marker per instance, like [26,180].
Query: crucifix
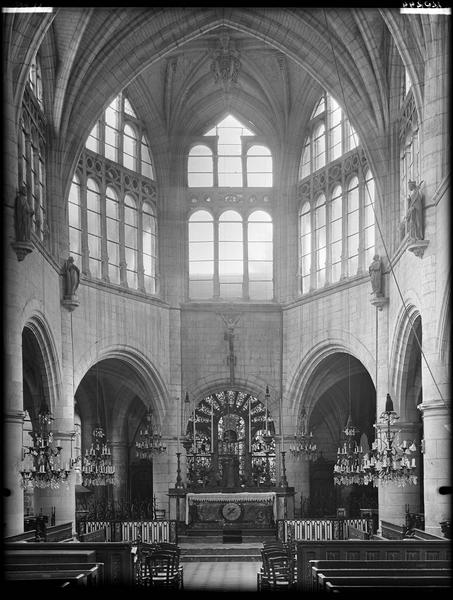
[230,322]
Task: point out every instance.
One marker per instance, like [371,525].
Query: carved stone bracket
[22,249]
[379,301]
[418,247]
[70,302]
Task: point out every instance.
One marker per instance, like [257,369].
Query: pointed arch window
[200,167]
[231,255]
[94,228]
[320,240]
[129,148]
[260,256]
[352,208]
[131,239]
[259,166]
[146,162]
[149,233]
[201,255]
[336,233]
[117,236]
[112,210]
[369,218]
[228,159]
[75,219]
[336,224]
[305,234]
[319,147]
[112,124]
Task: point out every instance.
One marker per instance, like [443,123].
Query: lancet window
[112,203]
[336,194]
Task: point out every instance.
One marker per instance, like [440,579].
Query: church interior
[226,298]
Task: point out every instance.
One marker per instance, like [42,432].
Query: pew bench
[37,555]
[321,574]
[366,550]
[51,578]
[115,556]
[93,570]
[372,580]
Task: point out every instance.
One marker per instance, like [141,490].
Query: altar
[249,509]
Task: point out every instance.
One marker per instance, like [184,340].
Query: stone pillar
[437,463]
[13,495]
[298,475]
[120,460]
[393,498]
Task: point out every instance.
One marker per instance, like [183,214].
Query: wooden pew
[27,554]
[322,574]
[95,571]
[368,550]
[380,587]
[116,556]
[399,580]
[51,578]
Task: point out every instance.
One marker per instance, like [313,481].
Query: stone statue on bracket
[414,214]
[24,214]
[375,271]
[23,221]
[71,280]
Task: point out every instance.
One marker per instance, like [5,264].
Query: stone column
[13,495]
[120,460]
[436,463]
[298,475]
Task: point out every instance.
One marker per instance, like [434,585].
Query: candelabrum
[41,465]
[348,469]
[303,445]
[389,461]
[149,441]
[97,468]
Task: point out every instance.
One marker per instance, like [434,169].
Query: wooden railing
[320,529]
[130,531]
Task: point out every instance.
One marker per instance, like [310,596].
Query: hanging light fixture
[387,461]
[266,434]
[348,469]
[303,445]
[97,467]
[149,441]
[41,465]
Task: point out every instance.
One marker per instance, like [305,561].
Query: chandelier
[348,469]
[149,441]
[41,465]
[97,468]
[303,445]
[387,461]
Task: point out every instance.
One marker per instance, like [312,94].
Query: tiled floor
[224,576]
